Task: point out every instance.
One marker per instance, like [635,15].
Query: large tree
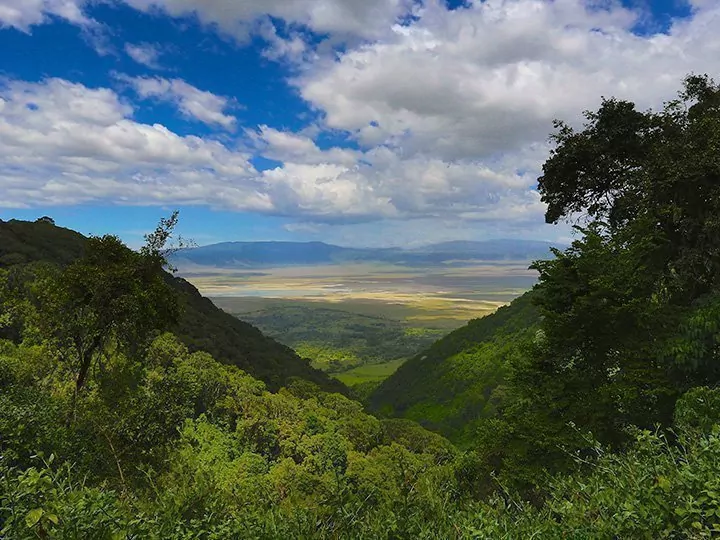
[631,308]
[631,311]
[111,297]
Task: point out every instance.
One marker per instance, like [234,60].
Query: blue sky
[382,122]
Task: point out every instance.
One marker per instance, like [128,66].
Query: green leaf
[53,518]
[33,516]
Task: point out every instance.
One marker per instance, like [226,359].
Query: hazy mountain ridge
[265,254]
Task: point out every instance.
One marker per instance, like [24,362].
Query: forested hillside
[589,408]
[460,378]
[201,325]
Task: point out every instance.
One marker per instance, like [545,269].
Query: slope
[459,379]
[202,326]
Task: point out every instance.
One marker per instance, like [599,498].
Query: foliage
[201,325]
[176,444]
[630,309]
[338,340]
[23,242]
[251,464]
[111,296]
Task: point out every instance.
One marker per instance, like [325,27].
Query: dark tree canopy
[110,296]
[630,310]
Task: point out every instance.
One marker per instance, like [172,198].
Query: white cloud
[367,19]
[293,147]
[192,102]
[146,54]
[470,83]
[63,143]
[22,14]
[451,112]
[292,49]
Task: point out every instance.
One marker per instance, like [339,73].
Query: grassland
[361,321]
[335,340]
[436,297]
[370,372]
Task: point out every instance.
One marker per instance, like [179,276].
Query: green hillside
[460,378]
[202,326]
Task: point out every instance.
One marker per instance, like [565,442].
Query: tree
[111,296]
[631,308]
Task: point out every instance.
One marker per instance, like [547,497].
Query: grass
[369,372]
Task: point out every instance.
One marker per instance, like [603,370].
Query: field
[361,321]
[369,372]
[443,297]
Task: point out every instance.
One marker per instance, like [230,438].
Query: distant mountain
[203,326]
[267,254]
[251,254]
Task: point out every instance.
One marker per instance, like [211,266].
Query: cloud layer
[447,111]
[192,102]
[63,143]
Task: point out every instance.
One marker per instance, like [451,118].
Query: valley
[359,322]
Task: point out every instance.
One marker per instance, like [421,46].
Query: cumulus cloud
[469,83]
[146,54]
[22,14]
[63,143]
[192,102]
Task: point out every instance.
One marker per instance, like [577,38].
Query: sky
[374,122]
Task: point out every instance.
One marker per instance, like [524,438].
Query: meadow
[440,297]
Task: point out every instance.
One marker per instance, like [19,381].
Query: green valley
[335,340]
[360,322]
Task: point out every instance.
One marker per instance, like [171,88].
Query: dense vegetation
[595,413]
[200,325]
[336,340]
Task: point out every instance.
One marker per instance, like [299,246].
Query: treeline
[602,419]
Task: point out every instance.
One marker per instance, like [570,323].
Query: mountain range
[267,254]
